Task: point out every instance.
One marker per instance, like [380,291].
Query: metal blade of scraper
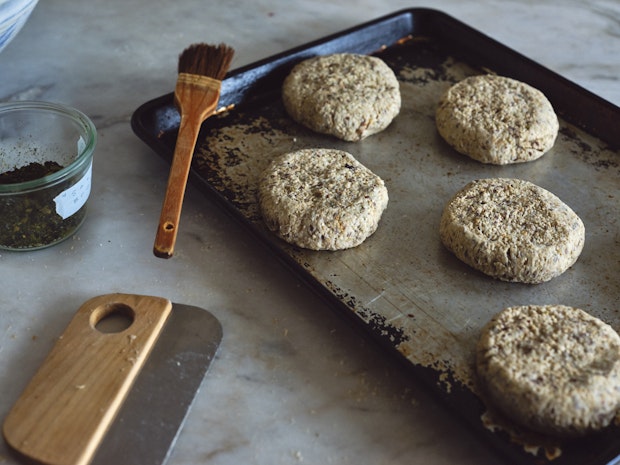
[152,416]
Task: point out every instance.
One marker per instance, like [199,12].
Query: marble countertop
[292,382]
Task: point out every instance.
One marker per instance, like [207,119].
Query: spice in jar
[30,219]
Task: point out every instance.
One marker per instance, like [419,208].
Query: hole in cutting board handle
[112,318]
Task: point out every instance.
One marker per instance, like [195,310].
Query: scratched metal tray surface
[401,286]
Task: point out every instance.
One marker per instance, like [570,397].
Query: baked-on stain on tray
[401,285]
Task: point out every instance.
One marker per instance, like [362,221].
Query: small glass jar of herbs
[46,153]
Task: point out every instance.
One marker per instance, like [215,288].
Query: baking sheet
[401,286]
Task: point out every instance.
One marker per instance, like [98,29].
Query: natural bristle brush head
[206,60]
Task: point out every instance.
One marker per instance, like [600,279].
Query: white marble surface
[292,383]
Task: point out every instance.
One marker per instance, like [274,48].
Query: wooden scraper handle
[66,409]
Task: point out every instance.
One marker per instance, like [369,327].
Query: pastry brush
[201,70]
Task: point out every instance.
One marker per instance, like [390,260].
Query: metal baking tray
[401,286]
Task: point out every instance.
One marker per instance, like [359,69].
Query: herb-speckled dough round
[346,95]
[554,369]
[512,230]
[497,120]
[321,199]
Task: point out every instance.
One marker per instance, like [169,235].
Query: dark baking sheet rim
[573,103]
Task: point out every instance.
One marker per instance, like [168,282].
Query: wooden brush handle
[64,412]
[196,97]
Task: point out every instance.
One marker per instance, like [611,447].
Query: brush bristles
[206,60]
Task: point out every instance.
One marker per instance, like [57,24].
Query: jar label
[71,200]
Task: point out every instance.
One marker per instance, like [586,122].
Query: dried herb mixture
[29,219]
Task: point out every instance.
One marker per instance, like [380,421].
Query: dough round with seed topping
[497,120]
[321,199]
[346,95]
[512,230]
[554,368]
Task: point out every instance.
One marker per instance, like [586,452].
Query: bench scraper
[121,397]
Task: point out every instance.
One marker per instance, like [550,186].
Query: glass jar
[46,153]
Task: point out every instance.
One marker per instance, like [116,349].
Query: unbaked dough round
[512,230]
[554,368]
[346,95]
[497,120]
[321,199]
